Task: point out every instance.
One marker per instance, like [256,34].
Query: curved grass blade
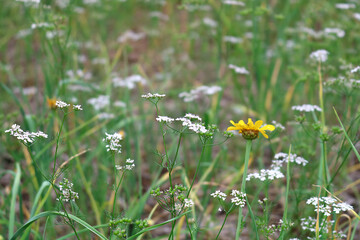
[51,213]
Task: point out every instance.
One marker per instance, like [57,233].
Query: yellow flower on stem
[51,103]
[250,131]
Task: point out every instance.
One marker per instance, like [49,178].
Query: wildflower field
[187,119]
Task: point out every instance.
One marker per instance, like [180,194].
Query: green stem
[243,185]
[197,168]
[57,144]
[222,226]
[116,190]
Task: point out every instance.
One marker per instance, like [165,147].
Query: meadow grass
[115,119]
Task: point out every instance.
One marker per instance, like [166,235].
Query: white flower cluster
[306,108]
[29,1]
[345,5]
[188,203]
[100,102]
[78,74]
[356,16]
[281,158]
[337,31]
[198,92]
[239,70]
[327,32]
[319,55]
[40,25]
[196,127]
[105,115]
[278,125]
[233,2]
[77,107]
[187,121]
[153,95]
[67,193]
[210,22]
[128,166]
[24,136]
[355,70]
[164,119]
[61,104]
[310,225]
[113,142]
[219,195]
[328,205]
[192,116]
[129,82]
[130,36]
[266,174]
[239,198]
[233,39]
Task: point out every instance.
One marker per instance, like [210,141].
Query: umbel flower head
[250,131]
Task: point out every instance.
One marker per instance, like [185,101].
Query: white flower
[120,104]
[307,108]
[188,203]
[239,198]
[281,158]
[210,22]
[24,136]
[129,82]
[233,2]
[232,39]
[355,70]
[198,92]
[77,107]
[29,1]
[219,195]
[105,115]
[266,174]
[191,116]
[113,142]
[328,205]
[67,194]
[130,35]
[164,119]
[153,95]
[278,125]
[129,165]
[187,122]
[40,25]
[320,55]
[100,102]
[337,31]
[356,16]
[61,104]
[345,5]
[240,70]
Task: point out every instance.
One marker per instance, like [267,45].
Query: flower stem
[243,185]
[222,226]
[57,145]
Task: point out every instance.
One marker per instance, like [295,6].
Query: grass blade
[14,192]
[53,213]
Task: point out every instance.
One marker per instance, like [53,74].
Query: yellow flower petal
[268,127]
[264,134]
[232,128]
[232,122]
[250,123]
[258,124]
[241,123]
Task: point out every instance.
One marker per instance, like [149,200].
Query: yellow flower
[250,130]
[51,103]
